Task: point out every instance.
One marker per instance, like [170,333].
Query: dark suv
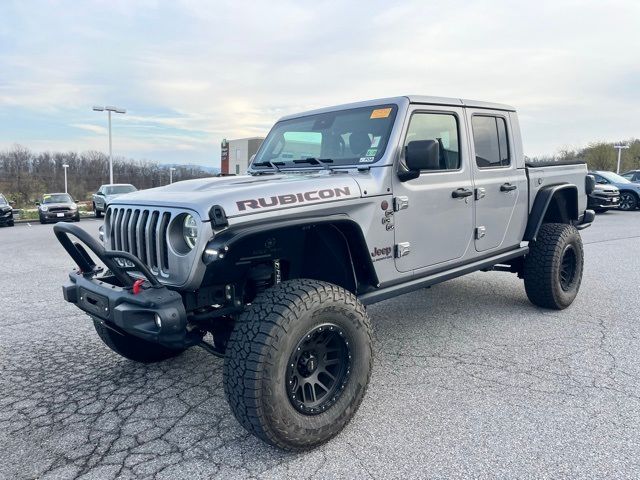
[57,206]
[6,212]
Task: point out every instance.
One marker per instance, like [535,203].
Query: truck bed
[545,174]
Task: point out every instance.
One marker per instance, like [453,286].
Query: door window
[441,127]
[490,141]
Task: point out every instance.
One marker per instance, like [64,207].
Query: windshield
[57,198]
[346,137]
[119,189]
[3,201]
[614,177]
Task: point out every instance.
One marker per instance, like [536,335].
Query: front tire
[133,348]
[553,267]
[628,201]
[298,363]
[96,211]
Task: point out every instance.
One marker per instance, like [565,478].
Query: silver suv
[342,207]
[107,193]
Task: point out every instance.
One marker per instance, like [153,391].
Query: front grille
[142,233]
[59,209]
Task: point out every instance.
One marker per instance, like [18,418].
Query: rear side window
[441,127]
[490,141]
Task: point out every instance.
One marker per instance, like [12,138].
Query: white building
[235,154]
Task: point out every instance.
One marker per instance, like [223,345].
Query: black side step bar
[385,293]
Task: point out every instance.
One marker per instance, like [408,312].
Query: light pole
[65,166]
[171,170]
[620,148]
[110,109]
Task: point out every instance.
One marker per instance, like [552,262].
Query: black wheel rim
[318,369]
[626,201]
[568,268]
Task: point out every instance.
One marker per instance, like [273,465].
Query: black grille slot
[125,230]
[111,214]
[164,250]
[153,238]
[118,229]
[142,235]
[133,233]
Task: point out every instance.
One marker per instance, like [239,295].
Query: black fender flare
[541,205]
[223,243]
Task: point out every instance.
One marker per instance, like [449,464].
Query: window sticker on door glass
[375,142]
[367,159]
[380,113]
[372,152]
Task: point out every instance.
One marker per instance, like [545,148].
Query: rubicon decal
[291,198]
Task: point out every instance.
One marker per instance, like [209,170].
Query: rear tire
[133,348]
[298,363]
[553,267]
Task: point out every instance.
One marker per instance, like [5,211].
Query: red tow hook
[137,286]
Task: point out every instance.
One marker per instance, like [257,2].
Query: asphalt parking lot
[469,380]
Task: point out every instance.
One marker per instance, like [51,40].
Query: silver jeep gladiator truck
[342,207]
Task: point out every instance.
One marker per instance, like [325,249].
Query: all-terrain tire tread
[253,343]
[544,253]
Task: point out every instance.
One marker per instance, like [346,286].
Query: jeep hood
[242,195]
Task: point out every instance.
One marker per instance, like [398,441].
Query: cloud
[91,128]
[190,75]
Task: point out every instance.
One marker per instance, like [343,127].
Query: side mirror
[589,184]
[37,204]
[420,155]
[12,203]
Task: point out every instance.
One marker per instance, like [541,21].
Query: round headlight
[44,208]
[190,231]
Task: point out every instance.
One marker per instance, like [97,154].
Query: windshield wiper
[316,161]
[268,163]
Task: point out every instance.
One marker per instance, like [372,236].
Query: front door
[434,217]
[497,181]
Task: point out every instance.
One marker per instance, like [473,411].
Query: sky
[191,73]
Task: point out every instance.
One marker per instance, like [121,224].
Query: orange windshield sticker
[380,113]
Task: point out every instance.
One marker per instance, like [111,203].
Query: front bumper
[6,218]
[154,315]
[604,202]
[59,215]
[150,312]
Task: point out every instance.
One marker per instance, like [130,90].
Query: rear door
[497,181]
[432,225]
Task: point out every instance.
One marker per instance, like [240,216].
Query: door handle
[507,187]
[461,193]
